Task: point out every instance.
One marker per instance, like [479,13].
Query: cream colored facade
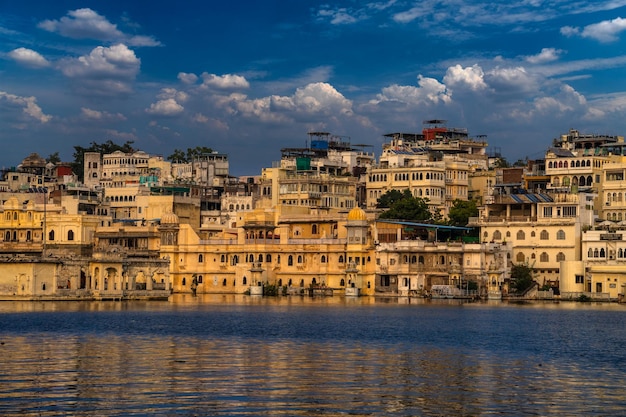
[601,273]
[612,190]
[300,250]
[543,233]
[288,187]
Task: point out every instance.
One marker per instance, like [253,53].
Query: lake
[236,355]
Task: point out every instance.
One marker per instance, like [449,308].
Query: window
[560,257]
[70,235]
[579,279]
[560,235]
[340,259]
[521,235]
[544,257]
[290,260]
[497,235]
[51,235]
[520,257]
[200,258]
[544,235]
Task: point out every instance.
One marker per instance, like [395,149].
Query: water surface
[241,355]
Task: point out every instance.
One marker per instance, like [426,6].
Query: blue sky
[247,78]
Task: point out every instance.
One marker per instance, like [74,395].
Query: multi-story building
[543,230]
[434,165]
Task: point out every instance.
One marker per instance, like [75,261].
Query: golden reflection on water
[49,373]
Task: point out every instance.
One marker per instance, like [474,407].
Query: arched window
[290,260]
[595,253]
[520,257]
[7,236]
[323,259]
[420,260]
[560,257]
[314,229]
[245,280]
[497,235]
[590,253]
[268,257]
[51,235]
[521,235]
[560,235]
[544,257]
[184,281]
[340,259]
[508,233]
[544,235]
[70,235]
[200,258]
[199,279]
[602,253]
[223,259]
[299,259]
[342,282]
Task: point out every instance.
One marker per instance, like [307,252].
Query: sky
[249,78]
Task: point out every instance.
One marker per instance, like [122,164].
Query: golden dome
[357,214]
[169,218]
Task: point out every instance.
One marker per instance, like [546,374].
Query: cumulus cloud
[29,58]
[469,77]
[314,99]
[428,91]
[86,23]
[106,70]
[28,104]
[546,55]
[187,78]
[167,93]
[224,82]
[507,80]
[100,115]
[167,107]
[605,31]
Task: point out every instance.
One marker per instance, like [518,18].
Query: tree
[522,277]
[501,162]
[78,166]
[409,209]
[461,211]
[54,158]
[392,196]
[192,153]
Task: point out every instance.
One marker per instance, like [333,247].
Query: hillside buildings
[139,226]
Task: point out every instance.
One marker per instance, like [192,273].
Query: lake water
[246,356]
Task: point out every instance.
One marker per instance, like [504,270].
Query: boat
[445,291]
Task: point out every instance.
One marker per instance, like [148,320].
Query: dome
[169,218]
[357,214]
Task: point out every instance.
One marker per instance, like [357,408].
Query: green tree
[54,158]
[392,196]
[501,162]
[409,209]
[78,165]
[187,156]
[522,277]
[461,211]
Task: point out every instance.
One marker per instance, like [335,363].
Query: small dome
[169,218]
[357,214]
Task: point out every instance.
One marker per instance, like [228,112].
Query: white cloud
[428,91]
[116,61]
[469,77]
[605,31]
[88,24]
[546,55]
[28,104]
[200,118]
[167,107]
[312,100]
[511,80]
[167,93]
[224,82]
[106,70]
[100,115]
[187,78]
[29,58]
